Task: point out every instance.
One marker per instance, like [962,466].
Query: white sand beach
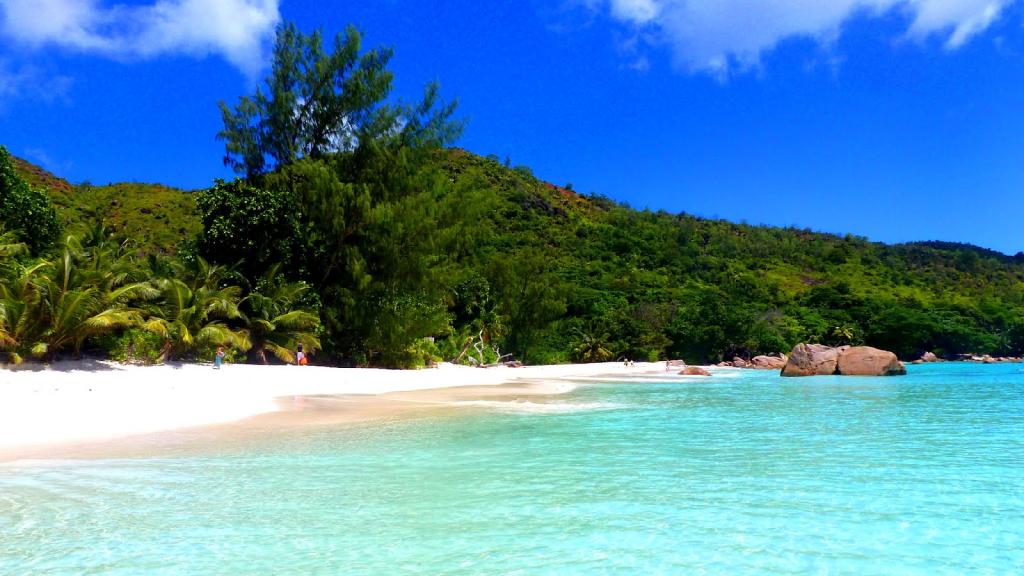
[90,401]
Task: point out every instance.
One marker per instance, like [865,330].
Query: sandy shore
[76,402]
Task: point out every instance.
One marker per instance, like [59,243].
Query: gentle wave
[656,378]
[562,388]
[527,407]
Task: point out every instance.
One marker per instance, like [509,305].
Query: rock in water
[738,362]
[812,360]
[868,361]
[694,371]
[767,362]
[929,357]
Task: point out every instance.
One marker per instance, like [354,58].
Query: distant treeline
[408,251]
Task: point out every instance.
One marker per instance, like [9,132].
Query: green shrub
[545,356]
[26,210]
[244,223]
[132,346]
[424,352]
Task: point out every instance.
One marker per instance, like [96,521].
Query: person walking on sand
[300,357]
[218,358]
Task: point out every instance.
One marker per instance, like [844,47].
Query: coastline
[44,408]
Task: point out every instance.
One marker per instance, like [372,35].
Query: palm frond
[113,318]
[261,325]
[157,326]
[221,335]
[136,290]
[297,320]
[282,353]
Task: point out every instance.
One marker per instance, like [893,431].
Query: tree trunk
[257,354]
[462,352]
[165,352]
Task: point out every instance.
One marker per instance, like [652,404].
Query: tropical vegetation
[356,229]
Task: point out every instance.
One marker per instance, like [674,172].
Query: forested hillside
[550,275]
[649,284]
[358,229]
[156,217]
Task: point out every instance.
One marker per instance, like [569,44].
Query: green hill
[581,277]
[653,283]
[156,217]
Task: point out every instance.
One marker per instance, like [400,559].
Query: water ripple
[747,475]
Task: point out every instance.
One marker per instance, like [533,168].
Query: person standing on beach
[219,358]
[300,357]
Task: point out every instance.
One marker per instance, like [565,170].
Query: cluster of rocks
[929,357]
[757,362]
[821,360]
[987,359]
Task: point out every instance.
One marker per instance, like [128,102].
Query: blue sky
[897,120]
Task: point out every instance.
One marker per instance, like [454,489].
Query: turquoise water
[750,474]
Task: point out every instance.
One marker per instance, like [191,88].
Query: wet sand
[88,401]
[296,416]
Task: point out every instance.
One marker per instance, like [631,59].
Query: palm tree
[55,304]
[273,322]
[83,294]
[9,244]
[192,314]
[11,306]
[843,335]
[591,347]
[19,323]
[108,260]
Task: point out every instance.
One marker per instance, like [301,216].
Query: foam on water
[528,407]
[656,378]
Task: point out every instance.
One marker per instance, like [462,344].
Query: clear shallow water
[750,474]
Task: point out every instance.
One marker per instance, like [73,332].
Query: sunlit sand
[78,407]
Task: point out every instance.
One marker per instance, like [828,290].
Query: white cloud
[637,11]
[718,35]
[962,18]
[29,81]
[237,30]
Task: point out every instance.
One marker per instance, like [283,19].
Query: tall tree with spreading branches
[313,103]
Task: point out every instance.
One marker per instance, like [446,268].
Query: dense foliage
[574,277]
[549,275]
[25,210]
[355,204]
[93,291]
[255,227]
[359,231]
